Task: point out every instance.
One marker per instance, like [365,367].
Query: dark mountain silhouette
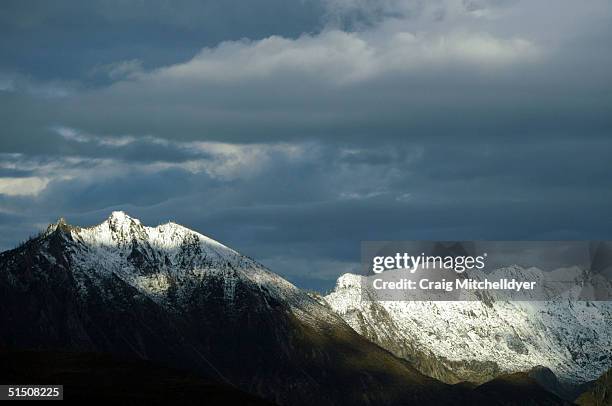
[174,296]
[87,376]
[598,393]
[519,389]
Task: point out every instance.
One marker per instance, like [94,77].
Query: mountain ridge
[177,297]
[480,340]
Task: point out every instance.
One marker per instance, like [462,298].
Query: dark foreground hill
[519,389]
[101,377]
[173,296]
[599,392]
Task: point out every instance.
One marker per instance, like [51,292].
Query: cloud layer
[329,123]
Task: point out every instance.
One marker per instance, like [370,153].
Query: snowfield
[573,339]
[167,262]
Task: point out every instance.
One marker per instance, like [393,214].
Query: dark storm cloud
[68,141]
[15,173]
[135,190]
[318,210]
[530,101]
[69,38]
[400,120]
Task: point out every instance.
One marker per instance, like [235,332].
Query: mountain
[599,392]
[549,381]
[87,376]
[481,340]
[519,389]
[171,295]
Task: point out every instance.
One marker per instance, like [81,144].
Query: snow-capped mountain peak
[120,230]
[168,261]
[171,294]
[120,215]
[119,220]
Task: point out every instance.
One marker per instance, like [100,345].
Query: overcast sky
[291,130]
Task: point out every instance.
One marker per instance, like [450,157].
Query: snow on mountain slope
[168,261]
[477,340]
[174,296]
[171,294]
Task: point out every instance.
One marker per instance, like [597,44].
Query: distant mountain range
[482,339]
[173,296]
